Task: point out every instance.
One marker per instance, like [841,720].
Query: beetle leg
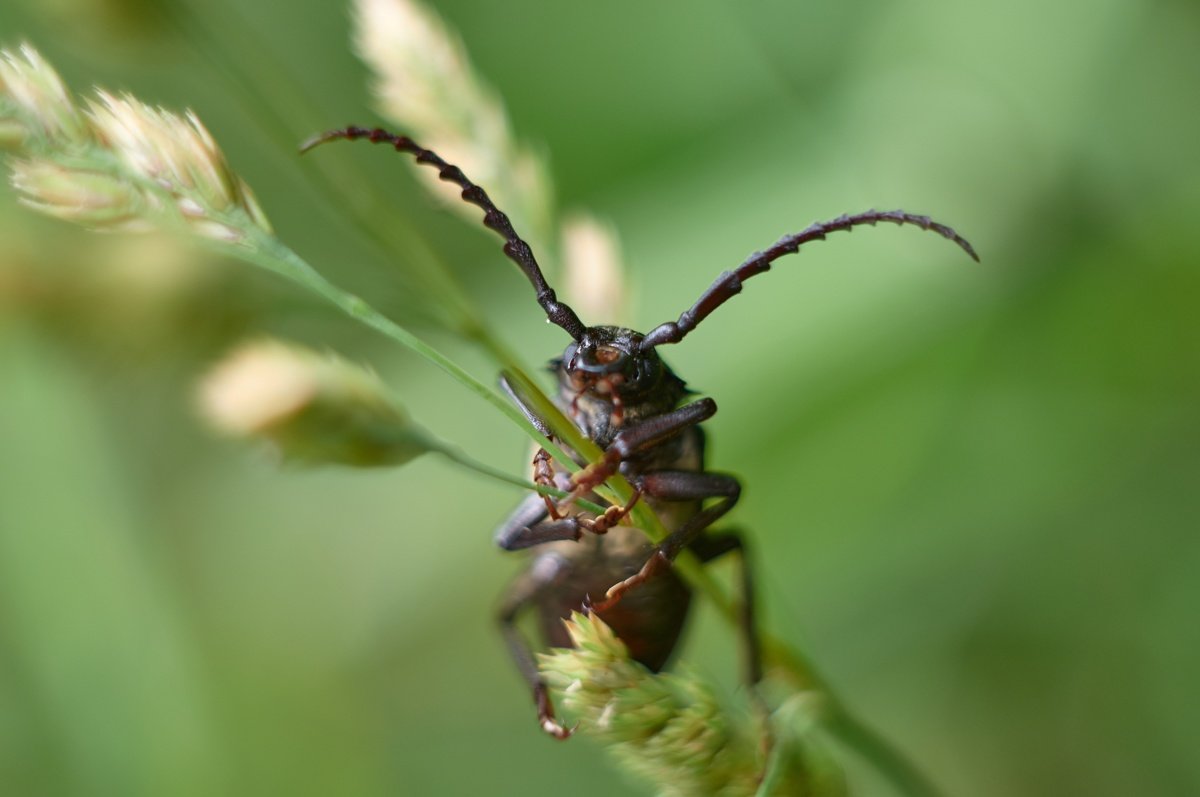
[637,438]
[708,547]
[627,443]
[678,486]
[543,475]
[612,516]
[546,571]
[527,526]
[543,469]
[534,419]
[713,545]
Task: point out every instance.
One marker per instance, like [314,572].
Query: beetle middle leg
[631,441]
[546,571]
[678,486]
[529,525]
[543,469]
[627,443]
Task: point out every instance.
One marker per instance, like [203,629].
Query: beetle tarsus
[545,712]
[612,516]
[543,476]
[556,730]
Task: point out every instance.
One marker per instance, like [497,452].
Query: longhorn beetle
[619,392]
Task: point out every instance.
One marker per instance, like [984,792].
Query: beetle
[615,387]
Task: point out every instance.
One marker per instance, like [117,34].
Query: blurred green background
[973,489]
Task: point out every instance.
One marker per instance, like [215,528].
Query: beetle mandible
[614,386]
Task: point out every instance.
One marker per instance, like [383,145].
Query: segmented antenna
[729,284]
[517,249]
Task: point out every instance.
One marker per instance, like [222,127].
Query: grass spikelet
[118,163]
[312,408]
[35,106]
[594,275]
[669,729]
[424,82]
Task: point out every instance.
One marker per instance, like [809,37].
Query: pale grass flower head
[594,278]
[120,164]
[178,155]
[39,107]
[671,729]
[257,387]
[92,198]
[426,84]
[312,408]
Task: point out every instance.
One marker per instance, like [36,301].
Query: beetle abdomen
[649,618]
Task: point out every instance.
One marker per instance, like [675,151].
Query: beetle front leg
[543,469]
[546,571]
[535,420]
[633,440]
[612,515]
[528,526]
[543,476]
[678,486]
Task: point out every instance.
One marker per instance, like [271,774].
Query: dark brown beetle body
[617,390]
[624,397]
[648,619]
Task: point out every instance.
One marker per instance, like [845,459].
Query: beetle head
[609,361]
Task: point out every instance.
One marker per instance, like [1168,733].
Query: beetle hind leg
[678,486]
[545,572]
[712,546]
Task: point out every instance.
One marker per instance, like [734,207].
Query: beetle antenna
[729,284]
[514,247]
